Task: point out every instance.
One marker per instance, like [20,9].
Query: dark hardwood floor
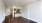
[10,19]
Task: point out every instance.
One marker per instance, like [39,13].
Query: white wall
[25,12]
[35,11]
[2,11]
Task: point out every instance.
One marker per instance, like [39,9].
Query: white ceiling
[18,2]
